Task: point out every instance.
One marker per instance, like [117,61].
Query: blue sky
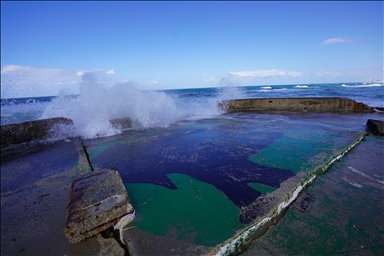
[47,46]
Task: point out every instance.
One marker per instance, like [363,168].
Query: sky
[48,46]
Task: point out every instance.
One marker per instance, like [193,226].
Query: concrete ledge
[295,104]
[97,202]
[12,134]
[28,131]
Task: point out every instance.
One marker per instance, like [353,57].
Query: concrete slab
[98,201]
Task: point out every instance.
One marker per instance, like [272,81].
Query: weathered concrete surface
[342,213]
[97,202]
[28,131]
[376,126]
[295,104]
[34,196]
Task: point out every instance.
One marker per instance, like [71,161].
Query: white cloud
[110,72]
[93,71]
[323,73]
[12,69]
[152,82]
[265,73]
[335,40]
[209,79]
[80,73]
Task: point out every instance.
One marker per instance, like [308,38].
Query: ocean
[95,105]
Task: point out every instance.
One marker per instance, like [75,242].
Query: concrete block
[376,126]
[98,201]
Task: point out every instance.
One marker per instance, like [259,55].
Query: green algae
[264,189]
[298,150]
[197,211]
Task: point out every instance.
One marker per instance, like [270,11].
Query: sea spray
[92,110]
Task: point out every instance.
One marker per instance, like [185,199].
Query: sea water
[92,109]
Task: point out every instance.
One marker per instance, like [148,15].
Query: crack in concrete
[87,156]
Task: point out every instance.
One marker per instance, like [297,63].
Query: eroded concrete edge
[241,241]
[85,167]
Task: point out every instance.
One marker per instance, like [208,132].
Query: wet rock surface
[376,126]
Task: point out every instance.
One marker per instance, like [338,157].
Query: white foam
[359,172]
[363,85]
[92,109]
[357,185]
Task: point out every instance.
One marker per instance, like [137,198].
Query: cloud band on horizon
[264,73]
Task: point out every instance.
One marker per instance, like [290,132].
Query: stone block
[98,201]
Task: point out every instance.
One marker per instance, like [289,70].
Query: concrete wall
[295,104]
[40,129]
[28,131]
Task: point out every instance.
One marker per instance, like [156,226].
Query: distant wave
[266,87]
[301,86]
[362,85]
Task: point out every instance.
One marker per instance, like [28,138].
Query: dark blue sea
[95,105]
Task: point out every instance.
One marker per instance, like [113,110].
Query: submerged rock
[376,126]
